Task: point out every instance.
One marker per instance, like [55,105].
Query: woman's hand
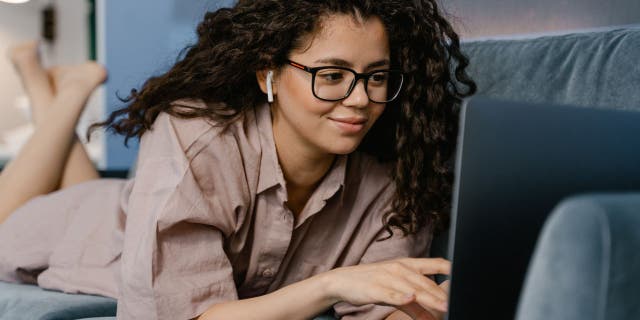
[401,283]
[414,311]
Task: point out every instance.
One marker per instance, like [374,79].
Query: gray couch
[587,261]
[593,69]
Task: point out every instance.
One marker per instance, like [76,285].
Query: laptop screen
[515,162]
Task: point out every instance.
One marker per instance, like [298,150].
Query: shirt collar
[335,178]
[331,184]
[270,171]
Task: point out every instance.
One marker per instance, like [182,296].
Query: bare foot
[25,55]
[82,78]
[35,80]
[74,85]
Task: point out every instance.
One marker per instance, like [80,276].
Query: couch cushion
[597,69]
[20,301]
[31,302]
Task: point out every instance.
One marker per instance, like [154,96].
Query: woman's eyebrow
[343,63]
[379,63]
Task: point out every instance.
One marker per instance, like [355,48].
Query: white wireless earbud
[270,86]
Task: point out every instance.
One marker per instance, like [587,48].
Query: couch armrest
[587,263]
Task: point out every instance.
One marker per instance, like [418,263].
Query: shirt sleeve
[398,246]
[173,262]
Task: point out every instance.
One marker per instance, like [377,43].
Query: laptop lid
[515,162]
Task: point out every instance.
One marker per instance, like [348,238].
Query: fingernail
[444,306]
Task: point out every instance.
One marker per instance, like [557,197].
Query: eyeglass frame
[364,76]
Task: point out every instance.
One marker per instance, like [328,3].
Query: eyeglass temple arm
[299,66]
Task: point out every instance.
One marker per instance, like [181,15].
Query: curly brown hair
[417,132]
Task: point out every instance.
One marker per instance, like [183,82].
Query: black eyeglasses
[336,83]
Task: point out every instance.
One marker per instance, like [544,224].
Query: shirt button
[268,273]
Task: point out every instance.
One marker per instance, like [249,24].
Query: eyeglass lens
[334,84]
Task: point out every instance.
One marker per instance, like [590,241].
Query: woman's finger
[428,266]
[426,299]
[392,297]
[429,301]
[445,285]
[423,283]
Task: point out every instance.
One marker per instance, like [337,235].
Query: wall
[142,42]
[489,18]
[17,22]
[22,22]
[136,39]
[142,38]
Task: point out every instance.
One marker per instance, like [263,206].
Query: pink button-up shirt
[205,220]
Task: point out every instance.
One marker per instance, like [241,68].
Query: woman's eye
[331,76]
[378,77]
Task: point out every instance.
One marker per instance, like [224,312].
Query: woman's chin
[343,148]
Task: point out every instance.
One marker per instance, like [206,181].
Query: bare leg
[38,86]
[38,168]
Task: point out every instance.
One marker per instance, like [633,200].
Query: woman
[289,162]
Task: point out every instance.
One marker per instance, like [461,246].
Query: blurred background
[141,38]
[476,19]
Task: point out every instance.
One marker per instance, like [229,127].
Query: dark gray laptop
[515,162]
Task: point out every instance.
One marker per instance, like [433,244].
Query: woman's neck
[302,166]
[303,171]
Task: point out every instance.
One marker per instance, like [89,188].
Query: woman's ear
[266,82]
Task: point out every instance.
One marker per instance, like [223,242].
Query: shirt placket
[280,232]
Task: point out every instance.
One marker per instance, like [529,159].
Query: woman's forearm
[301,300]
[358,285]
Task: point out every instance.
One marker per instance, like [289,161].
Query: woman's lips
[350,125]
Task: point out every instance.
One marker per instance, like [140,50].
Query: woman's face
[301,120]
